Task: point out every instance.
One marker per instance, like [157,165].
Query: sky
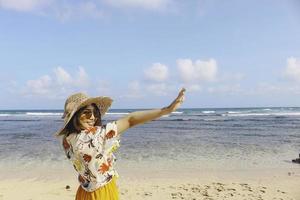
[141,52]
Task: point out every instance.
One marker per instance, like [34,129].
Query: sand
[138,184]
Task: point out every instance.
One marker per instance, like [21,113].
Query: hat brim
[103,103]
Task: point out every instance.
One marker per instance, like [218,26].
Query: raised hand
[177,102]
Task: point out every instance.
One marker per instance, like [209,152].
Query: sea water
[212,138]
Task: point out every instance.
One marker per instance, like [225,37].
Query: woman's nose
[92,116]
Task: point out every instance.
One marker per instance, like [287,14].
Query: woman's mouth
[90,123]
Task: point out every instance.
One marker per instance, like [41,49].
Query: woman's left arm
[141,117]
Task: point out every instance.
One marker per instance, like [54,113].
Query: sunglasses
[88,113]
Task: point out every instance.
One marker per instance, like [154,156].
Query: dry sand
[256,184]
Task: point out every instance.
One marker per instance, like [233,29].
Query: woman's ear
[98,120]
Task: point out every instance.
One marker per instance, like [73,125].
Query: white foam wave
[233,112]
[119,113]
[43,113]
[211,119]
[288,114]
[177,112]
[208,111]
[261,114]
[126,113]
[5,115]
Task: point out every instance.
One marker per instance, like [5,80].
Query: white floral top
[91,152]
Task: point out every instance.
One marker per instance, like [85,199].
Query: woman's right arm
[141,117]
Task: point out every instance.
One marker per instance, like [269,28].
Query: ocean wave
[20,120]
[168,115]
[267,109]
[233,112]
[177,112]
[208,111]
[47,114]
[43,113]
[286,114]
[215,119]
[180,120]
[118,113]
[261,114]
[5,115]
[192,119]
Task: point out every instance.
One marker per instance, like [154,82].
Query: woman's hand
[177,102]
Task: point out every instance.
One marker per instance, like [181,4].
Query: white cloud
[83,9]
[40,86]
[58,85]
[267,88]
[62,77]
[197,71]
[230,89]
[193,88]
[91,9]
[24,5]
[134,90]
[279,89]
[157,72]
[145,4]
[83,78]
[63,10]
[134,86]
[292,69]
[231,77]
[158,89]
[103,88]
[68,9]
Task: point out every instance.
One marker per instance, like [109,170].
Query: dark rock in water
[68,187]
[297,160]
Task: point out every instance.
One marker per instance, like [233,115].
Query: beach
[192,154]
[267,184]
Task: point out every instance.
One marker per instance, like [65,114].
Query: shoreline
[161,184]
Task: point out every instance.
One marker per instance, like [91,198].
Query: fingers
[181,94]
[182,91]
[179,100]
[180,97]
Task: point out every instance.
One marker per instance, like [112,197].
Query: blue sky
[141,52]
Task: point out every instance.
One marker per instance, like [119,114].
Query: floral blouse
[91,152]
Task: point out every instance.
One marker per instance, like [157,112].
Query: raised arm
[140,117]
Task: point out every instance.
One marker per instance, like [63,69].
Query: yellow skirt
[107,192]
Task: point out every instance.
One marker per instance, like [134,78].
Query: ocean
[214,138]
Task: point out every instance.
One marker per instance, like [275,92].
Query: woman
[90,145]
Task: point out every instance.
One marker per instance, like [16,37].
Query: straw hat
[80,100]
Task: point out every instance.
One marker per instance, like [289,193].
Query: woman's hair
[74,124]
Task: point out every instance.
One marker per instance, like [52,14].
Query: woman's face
[87,117]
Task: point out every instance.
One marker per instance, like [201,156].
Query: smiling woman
[87,117]
[89,145]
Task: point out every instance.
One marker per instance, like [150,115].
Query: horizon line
[60,109]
